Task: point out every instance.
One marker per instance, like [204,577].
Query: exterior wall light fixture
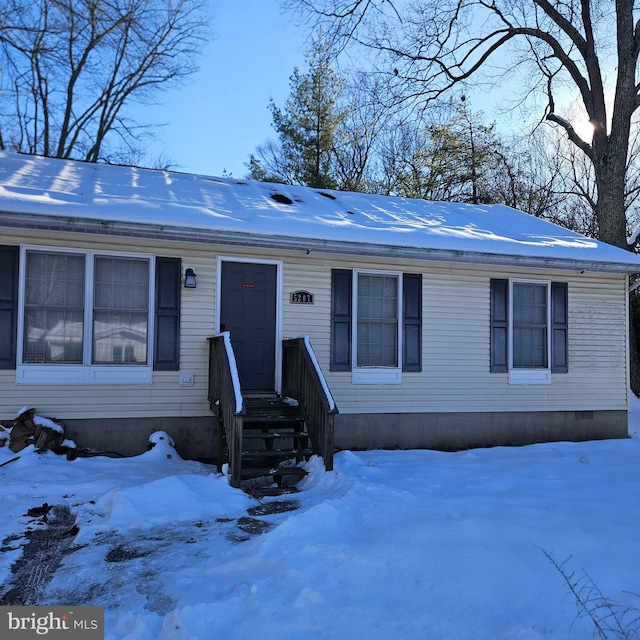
[189,278]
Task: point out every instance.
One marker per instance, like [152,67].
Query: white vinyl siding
[165,396]
[456,350]
[456,342]
[455,373]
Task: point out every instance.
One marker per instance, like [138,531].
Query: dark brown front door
[248,312]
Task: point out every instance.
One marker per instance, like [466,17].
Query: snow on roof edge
[71,195]
[309,245]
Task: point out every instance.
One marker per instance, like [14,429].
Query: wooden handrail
[303,381]
[224,390]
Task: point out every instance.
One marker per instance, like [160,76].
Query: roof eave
[289,243]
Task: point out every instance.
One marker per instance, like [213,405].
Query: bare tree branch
[73,66]
[429,47]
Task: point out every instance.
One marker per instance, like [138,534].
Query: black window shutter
[499,325]
[9,259]
[341,304]
[412,322]
[166,353]
[559,327]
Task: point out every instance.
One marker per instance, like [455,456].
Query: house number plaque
[301,297]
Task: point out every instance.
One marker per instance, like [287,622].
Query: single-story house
[437,325]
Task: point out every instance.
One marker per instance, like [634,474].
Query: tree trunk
[612,225]
[610,210]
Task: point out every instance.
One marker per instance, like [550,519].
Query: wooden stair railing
[270,419]
[302,380]
[226,395]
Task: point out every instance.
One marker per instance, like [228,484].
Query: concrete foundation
[455,431]
[195,438]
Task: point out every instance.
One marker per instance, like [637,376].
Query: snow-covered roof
[49,193]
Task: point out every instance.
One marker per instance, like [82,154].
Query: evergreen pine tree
[306,126]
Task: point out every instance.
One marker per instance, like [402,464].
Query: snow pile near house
[392,544]
[176,498]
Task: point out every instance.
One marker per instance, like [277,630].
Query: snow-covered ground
[392,544]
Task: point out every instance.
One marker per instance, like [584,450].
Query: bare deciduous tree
[571,46]
[356,146]
[69,67]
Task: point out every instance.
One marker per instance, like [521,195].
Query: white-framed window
[377,338]
[529,332]
[85,317]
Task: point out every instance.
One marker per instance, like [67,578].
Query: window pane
[377,345]
[55,280]
[54,308]
[52,336]
[121,303]
[121,283]
[530,348]
[529,303]
[119,338]
[377,297]
[377,328]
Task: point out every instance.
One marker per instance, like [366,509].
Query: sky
[216,120]
[212,123]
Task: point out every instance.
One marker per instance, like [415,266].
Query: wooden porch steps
[275,438]
[263,433]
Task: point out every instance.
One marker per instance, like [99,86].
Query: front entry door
[248,312]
